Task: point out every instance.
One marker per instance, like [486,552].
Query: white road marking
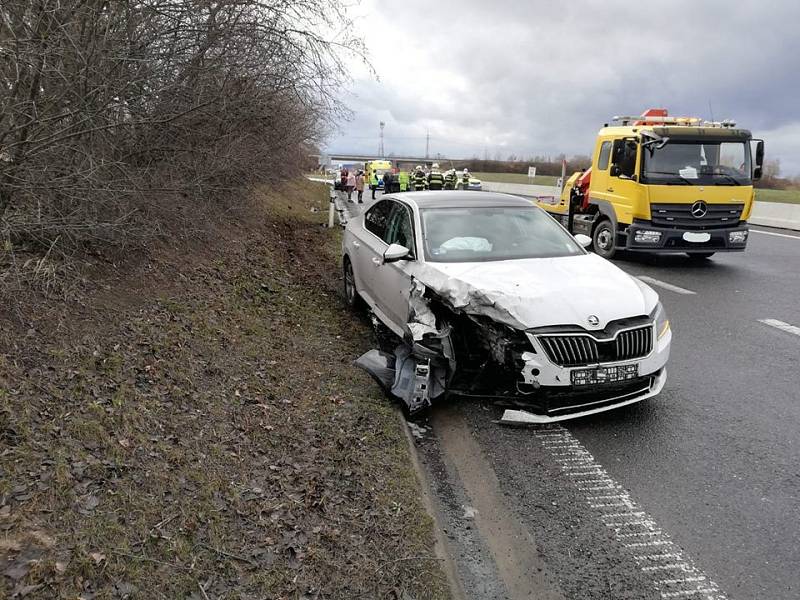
[781,325]
[794,237]
[666,286]
[687,580]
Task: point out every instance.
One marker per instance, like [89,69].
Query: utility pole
[428,144]
[381,151]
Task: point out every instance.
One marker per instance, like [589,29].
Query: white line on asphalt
[794,237]
[781,325]
[666,286]
[651,536]
[707,592]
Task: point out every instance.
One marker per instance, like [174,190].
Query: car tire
[351,297]
[700,255]
[604,239]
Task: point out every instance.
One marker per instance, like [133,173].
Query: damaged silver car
[487,296]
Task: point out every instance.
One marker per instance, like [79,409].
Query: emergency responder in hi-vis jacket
[403,178]
[450,179]
[465,179]
[435,178]
[419,179]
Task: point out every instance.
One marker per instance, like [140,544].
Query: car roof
[459,199]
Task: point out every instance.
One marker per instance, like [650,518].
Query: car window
[377,217]
[493,233]
[399,229]
[605,154]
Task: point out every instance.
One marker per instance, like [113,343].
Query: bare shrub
[117,116]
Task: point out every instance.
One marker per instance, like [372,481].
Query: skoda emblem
[699,209]
[593,320]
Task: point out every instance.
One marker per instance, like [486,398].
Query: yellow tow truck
[664,184]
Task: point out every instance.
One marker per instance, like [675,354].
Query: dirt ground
[194,429]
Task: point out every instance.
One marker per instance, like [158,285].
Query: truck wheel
[603,239]
[351,296]
[700,255]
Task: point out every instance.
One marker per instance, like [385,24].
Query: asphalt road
[715,459]
[713,462]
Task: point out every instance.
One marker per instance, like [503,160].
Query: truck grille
[583,349]
[679,216]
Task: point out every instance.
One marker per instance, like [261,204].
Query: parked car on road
[488,296]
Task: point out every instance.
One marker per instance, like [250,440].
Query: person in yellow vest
[403,179]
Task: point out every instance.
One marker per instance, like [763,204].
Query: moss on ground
[213,440]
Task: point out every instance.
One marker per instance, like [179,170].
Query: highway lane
[716,458]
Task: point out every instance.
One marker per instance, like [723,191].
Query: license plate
[604,374]
[699,238]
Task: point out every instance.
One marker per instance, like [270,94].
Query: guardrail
[776,214]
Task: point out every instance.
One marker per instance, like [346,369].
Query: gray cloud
[541,78]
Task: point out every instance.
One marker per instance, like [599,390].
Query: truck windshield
[697,163]
[482,234]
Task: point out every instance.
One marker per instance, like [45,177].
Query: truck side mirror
[758,169]
[615,171]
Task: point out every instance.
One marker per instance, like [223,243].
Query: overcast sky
[529,78]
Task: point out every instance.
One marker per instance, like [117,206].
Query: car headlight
[661,320]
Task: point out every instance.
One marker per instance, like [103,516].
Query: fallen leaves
[212,435]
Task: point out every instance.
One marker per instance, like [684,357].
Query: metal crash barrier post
[332,206]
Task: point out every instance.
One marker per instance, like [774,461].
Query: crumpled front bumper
[524,417]
[579,401]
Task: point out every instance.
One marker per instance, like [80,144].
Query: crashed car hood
[538,292]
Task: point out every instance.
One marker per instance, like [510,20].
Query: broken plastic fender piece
[380,365]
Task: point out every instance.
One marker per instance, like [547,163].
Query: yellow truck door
[621,188]
[599,184]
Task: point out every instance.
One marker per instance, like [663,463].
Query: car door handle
[376,261]
[609,189]
[356,245]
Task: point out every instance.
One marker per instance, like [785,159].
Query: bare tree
[111,110]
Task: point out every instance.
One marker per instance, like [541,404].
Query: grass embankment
[199,432]
[787,196]
[517,178]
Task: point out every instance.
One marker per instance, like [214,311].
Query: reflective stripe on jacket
[435,180]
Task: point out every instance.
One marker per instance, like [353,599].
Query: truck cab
[664,185]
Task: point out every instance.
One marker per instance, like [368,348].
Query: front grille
[679,216]
[583,349]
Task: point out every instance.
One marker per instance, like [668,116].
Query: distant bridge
[333,159]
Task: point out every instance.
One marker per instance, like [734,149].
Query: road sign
[531,172]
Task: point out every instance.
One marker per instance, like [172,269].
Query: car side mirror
[615,170]
[583,240]
[395,252]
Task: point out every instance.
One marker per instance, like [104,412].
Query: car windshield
[493,233]
[697,163]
